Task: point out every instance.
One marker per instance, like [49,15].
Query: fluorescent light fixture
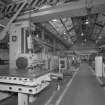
[85,40]
[64,32]
[54,20]
[99,37]
[87,21]
[82,34]
[45,6]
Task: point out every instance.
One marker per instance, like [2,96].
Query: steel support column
[23,99]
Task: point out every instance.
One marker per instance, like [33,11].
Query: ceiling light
[37,35]
[54,20]
[87,21]
[64,32]
[65,37]
[82,34]
[85,40]
[99,37]
[45,6]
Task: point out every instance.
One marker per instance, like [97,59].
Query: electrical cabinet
[98,66]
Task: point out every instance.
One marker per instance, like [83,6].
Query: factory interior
[52,52]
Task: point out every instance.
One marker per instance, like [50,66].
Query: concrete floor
[84,90]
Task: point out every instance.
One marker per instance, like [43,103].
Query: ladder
[4,32]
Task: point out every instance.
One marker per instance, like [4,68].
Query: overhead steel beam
[93,27]
[67,31]
[57,35]
[51,35]
[1,25]
[2,3]
[4,32]
[98,24]
[71,9]
[100,31]
[64,26]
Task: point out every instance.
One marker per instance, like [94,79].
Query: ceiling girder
[100,31]
[54,36]
[72,9]
[2,2]
[98,24]
[67,31]
[65,43]
[64,26]
[32,4]
[93,26]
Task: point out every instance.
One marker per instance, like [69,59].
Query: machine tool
[28,74]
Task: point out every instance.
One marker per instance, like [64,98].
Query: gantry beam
[72,9]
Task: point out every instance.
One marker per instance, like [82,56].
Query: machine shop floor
[43,97]
[84,90]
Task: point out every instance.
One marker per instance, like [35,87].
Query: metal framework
[24,86]
[55,8]
[66,10]
[4,32]
[48,28]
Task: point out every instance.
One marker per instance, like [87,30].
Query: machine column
[23,99]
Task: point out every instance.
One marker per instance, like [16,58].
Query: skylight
[64,27]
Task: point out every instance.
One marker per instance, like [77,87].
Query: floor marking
[65,90]
[51,98]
